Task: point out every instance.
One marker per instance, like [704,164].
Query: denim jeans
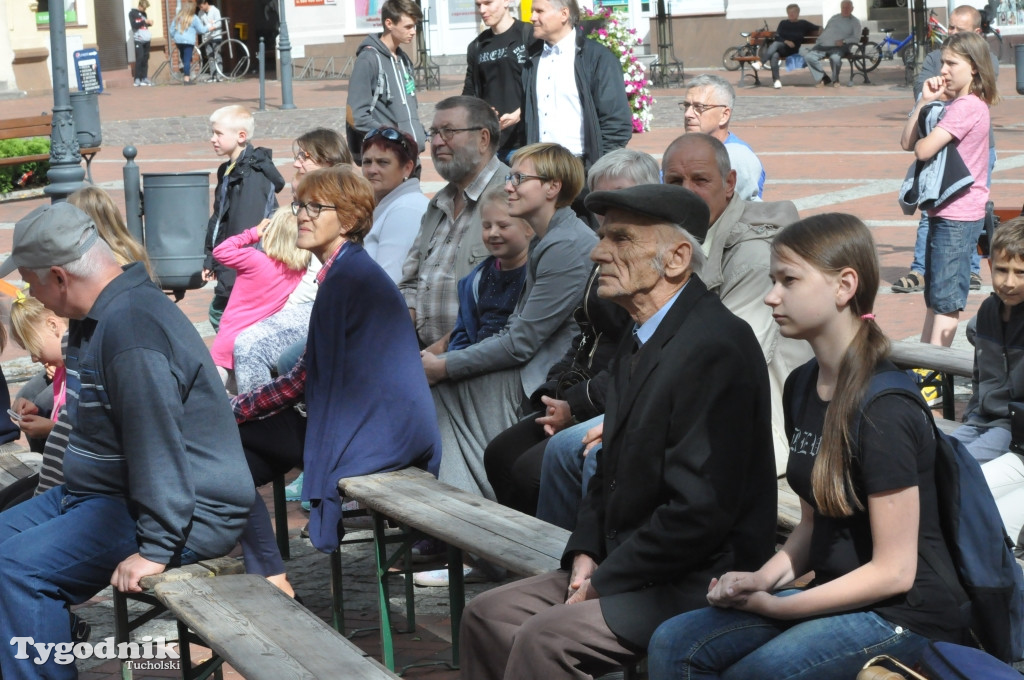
[921,243]
[777,51]
[984,443]
[922,231]
[55,549]
[565,473]
[948,263]
[734,645]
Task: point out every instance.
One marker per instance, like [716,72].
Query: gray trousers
[525,631]
[818,53]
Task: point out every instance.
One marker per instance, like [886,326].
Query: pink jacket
[261,289]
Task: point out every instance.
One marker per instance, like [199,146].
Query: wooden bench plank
[922,355]
[29,126]
[263,633]
[510,523]
[220,566]
[524,545]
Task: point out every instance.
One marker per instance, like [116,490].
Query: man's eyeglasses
[517,178]
[447,133]
[388,133]
[312,209]
[301,156]
[701,109]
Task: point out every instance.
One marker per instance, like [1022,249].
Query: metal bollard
[1018,56]
[132,194]
[263,75]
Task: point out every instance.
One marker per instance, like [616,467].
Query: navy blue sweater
[368,403]
[151,422]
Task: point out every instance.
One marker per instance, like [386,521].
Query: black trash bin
[176,210]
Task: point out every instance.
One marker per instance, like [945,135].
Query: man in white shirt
[574,93]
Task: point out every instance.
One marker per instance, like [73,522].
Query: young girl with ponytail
[867,489]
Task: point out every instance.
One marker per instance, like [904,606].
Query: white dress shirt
[559,112]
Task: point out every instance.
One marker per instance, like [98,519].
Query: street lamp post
[286,61]
[65,174]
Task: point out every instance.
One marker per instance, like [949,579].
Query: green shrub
[10,174]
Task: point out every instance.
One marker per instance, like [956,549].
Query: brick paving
[827,150]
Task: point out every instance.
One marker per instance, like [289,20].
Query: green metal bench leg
[281,518]
[337,597]
[456,597]
[380,551]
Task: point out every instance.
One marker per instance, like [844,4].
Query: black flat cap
[660,201]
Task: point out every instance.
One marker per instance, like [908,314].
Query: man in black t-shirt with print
[494,70]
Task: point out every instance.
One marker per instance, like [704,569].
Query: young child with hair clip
[39,331]
[267,275]
[868,499]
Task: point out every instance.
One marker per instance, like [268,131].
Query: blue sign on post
[87,69]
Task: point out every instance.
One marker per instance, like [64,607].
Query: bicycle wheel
[232,59]
[909,54]
[177,73]
[729,58]
[871,53]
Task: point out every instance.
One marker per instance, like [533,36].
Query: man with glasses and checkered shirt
[463,142]
[707,107]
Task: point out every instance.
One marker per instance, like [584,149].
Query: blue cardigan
[368,403]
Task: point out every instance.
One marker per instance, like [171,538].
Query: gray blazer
[541,328]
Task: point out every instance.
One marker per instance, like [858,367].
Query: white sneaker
[756,65]
[778,84]
[137,83]
[147,82]
[438,578]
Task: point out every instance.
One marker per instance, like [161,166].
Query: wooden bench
[422,505]
[123,625]
[37,126]
[19,474]
[261,632]
[947,361]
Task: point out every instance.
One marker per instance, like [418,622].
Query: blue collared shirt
[644,331]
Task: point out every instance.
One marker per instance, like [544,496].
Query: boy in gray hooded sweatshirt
[382,89]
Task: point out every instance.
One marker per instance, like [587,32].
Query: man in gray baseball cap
[51,234]
[154,474]
[681,494]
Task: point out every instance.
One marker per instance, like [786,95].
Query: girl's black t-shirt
[896,449]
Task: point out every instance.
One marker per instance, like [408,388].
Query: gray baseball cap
[50,235]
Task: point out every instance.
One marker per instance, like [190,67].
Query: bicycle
[753,47]
[890,47]
[230,56]
[934,38]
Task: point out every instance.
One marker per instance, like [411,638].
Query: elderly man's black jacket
[685,486]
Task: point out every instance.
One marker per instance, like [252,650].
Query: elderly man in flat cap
[681,493]
[154,471]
